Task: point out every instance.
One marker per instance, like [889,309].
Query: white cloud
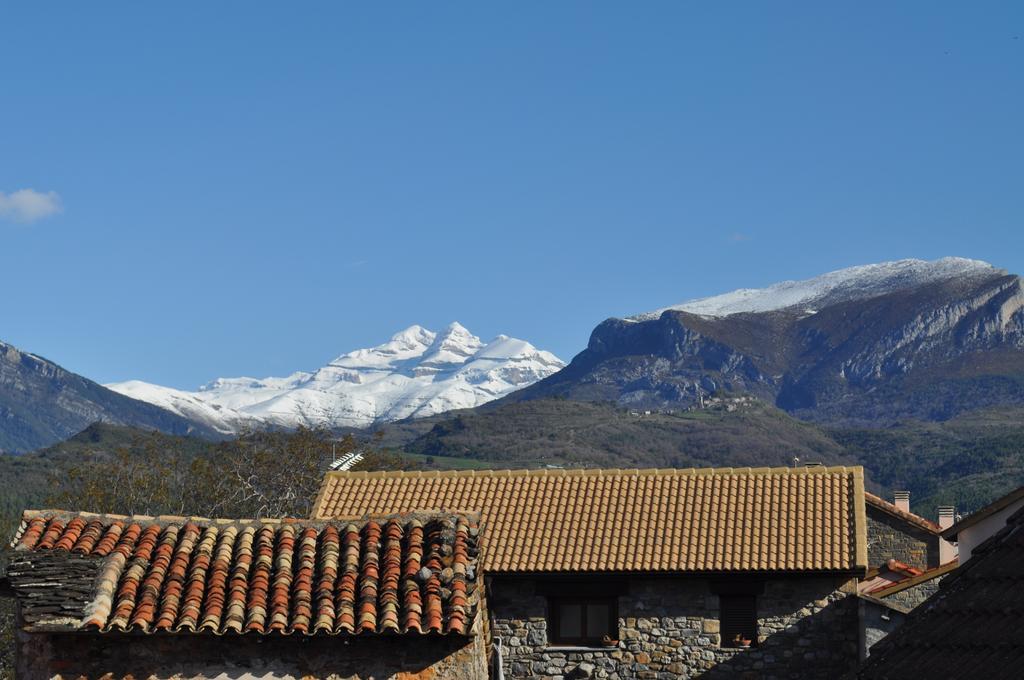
[28,205]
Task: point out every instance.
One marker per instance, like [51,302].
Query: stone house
[970,628]
[651,573]
[546,573]
[102,596]
[894,532]
[908,558]
[890,593]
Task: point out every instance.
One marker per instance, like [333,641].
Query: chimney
[947,551]
[902,500]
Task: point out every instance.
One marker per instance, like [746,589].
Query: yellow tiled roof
[693,520]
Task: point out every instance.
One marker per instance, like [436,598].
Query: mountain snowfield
[852,283]
[416,373]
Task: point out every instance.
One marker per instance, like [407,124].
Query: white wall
[976,534]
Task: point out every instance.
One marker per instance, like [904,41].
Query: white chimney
[947,551]
[902,500]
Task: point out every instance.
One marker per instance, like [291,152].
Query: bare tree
[260,474]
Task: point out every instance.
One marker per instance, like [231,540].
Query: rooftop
[891,509]
[897,577]
[398,574]
[983,513]
[660,520]
[971,627]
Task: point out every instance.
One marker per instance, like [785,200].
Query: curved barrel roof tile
[409,573]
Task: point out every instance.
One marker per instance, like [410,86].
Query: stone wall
[892,538]
[915,595]
[240,657]
[669,628]
[878,622]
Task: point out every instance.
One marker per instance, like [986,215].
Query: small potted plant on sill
[740,641]
[607,641]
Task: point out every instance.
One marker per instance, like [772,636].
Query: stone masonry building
[551,574]
[652,573]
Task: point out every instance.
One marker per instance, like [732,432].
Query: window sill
[579,648]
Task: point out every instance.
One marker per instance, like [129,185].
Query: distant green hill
[966,461]
[572,433]
[30,479]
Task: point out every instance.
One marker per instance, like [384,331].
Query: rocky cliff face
[919,348]
[42,403]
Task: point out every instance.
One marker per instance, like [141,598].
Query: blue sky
[252,189]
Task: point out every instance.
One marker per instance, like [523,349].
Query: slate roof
[971,628]
[402,574]
[687,520]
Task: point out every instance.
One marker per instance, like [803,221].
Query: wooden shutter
[738,616]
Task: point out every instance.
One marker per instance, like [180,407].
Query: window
[738,619]
[582,621]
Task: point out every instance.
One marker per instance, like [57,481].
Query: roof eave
[676,573]
[992,508]
[910,517]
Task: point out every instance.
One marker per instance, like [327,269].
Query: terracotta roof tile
[793,519]
[401,573]
[900,576]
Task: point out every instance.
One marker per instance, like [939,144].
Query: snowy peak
[451,347]
[852,283]
[407,344]
[873,344]
[220,419]
[416,373]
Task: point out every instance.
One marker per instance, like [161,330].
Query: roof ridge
[592,472]
[425,513]
[893,509]
[981,513]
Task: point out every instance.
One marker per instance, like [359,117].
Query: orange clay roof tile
[347,577]
[708,520]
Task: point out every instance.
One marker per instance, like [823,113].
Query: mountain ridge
[417,372]
[42,403]
[841,285]
[946,340]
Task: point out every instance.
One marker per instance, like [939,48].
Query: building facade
[677,627]
[894,532]
[970,627]
[553,574]
[653,573]
[976,528]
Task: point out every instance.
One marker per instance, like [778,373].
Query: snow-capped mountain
[904,339]
[852,283]
[416,373]
[42,403]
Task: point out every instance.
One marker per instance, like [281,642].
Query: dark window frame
[741,606]
[555,603]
